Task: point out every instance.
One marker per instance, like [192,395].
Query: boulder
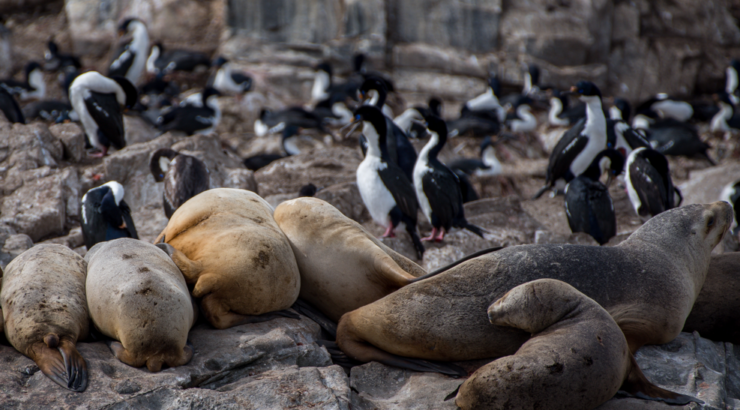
[322,167]
[44,207]
[73,140]
[706,185]
[346,197]
[13,246]
[25,147]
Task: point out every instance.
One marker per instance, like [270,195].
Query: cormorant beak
[609,179]
[121,32]
[354,124]
[123,225]
[361,95]
[574,91]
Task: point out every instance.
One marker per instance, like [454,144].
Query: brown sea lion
[226,243]
[45,312]
[138,297]
[342,266]
[576,359]
[648,284]
[716,312]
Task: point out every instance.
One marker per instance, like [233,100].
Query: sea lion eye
[710,222]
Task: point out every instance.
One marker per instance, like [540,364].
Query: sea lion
[226,242]
[45,312]
[716,312]
[577,358]
[647,283]
[138,297]
[342,266]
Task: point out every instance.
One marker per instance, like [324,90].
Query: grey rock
[706,185]
[346,197]
[322,167]
[73,140]
[13,246]
[25,147]
[273,365]
[138,130]
[41,207]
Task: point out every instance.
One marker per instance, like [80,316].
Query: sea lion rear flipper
[63,364]
[637,385]
[308,310]
[190,269]
[457,262]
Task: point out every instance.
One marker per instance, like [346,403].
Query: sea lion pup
[226,242]
[716,312]
[577,358]
[342,266]
[45,311]
[648,284]
[138,297]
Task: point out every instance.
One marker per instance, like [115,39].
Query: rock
[321,167]
[138,130]
[73,140]
[346,197]
[44,207]
[25,147]
[706,185]
[376,386]
[240,178]
[72,240]
[271,365]
[14,245]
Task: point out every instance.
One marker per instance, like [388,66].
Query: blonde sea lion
[716,312]
[576,359]
[648,284]
[138,297]
[45,312]
[226,243]
[342,266]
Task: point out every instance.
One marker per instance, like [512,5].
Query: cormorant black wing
[567,149]
[122,62]
[442,188]
[401,188]
[106,112]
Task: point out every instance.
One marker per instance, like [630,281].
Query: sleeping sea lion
[45,312]
[226,242]
[138,297]
[576,359]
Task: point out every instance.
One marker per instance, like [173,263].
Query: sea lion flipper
[190,269]
[637,385]
[64,365]
[457,262]
[391,273]
[306,309]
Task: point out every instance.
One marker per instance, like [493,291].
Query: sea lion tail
[453,394]
[190,269]
[457,262]
[308,310]
[637,385]
[60,361]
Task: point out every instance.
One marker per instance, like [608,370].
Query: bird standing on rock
[130,59]
[386,191]
[588,206]
[438,188]
[579,146]
[97,100]
[184,177]
[649,183]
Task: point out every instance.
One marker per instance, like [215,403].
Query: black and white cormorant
[726,119]
[649,184]
[289,134]
[667,107]
[731,195]
[732,81]
[521,118]
[400,149]
[620,135]
[97,100]
[33,87]
[324,87]
[273,122]
[184,177]
[54,60]
[130,59]
[620,110]
[438,188]
[561,113]
[487,165]
[192,119]
[588,206]
[486,105]
[579,146]
[229,81]
[105,215]
[161,61]
[410,121]
[386,191]
[671,137]
[9,107]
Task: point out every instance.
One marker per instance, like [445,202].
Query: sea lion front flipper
[637,385]
[61,363]
[308,310]
[190,269]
